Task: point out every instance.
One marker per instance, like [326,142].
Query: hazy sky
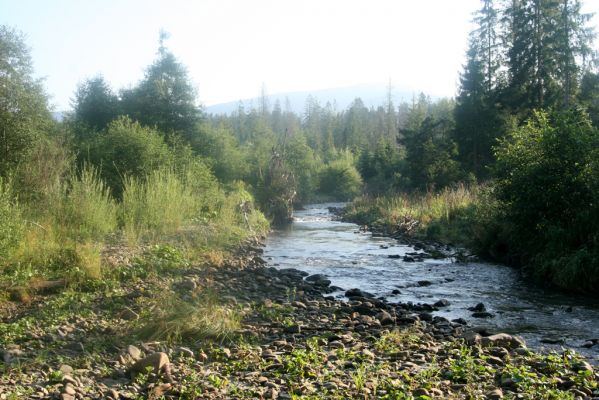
[232,47]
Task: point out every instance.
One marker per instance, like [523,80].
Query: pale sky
[232,47]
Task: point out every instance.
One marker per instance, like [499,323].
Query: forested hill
[372,95]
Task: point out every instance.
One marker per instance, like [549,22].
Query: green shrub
[547,184]
[340,179]
[130,150]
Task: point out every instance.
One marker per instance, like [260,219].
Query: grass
[446,216]
[174,320]
[165,210]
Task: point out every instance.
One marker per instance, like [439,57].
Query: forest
[521,136]
[520,141]
[135,228]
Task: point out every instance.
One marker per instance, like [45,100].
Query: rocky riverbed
[293,341]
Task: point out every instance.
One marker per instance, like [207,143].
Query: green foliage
[87,210]
[11,222]
[340,179]
[547,176]
[95,106]
[160,203]
[221,150]
[24,115]
[165,98]
[130,150]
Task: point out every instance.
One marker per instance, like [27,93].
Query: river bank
[287,338]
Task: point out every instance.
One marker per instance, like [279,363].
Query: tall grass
[447,215]
[175,320]
[11,222]
[160,204]
[87,211]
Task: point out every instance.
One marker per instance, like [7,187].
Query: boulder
[158,362]
[503,340]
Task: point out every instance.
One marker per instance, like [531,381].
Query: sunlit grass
[439,215]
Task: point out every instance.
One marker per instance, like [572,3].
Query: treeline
[524,124]
[117,172]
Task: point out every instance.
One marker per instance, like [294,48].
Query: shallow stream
[318,244]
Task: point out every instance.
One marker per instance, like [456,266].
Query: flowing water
[317,244]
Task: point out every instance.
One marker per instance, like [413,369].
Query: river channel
[547,320]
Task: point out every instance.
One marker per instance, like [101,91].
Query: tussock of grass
[446,215]
[174,320]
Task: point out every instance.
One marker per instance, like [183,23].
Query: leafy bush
[548,186]
[340,179]
[128,149]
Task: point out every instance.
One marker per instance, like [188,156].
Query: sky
[233,47]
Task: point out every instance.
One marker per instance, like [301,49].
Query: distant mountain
[373,95]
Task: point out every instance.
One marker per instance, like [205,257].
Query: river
[547,320]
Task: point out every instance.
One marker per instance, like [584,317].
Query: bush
[128,149]
[340,179]
[547,184]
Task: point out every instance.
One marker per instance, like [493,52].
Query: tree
[547,184]
[95,105]
[165,98]
[24,115]
[589,95]
[547,41]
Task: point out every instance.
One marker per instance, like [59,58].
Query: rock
[69,379]
[424,283]
[357,293]
[428,317]
[394,256]
[396,291]
[134,352]
[472,338]
[66,396]
[66,369]
[495,394]
[442,303]
[159,391]
[482,314]
[385,318]
[460,321]
[189,284]
[319,279]
[552,340]
[421,392]
[11,353]
[368,354]
[293,329]
[408,259]
[114,394]
[480,307]
[503,340]
[69,389]
[128,314]
[157,362]
[186,351]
